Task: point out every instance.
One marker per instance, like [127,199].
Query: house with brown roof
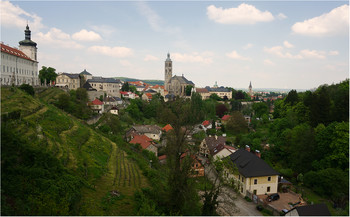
[196,166]
[203,92]
[145,143]
[216,147]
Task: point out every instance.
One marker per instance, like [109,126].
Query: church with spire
[175,85]
[20,66]
[250,89]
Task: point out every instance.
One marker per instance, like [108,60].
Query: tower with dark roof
[28,46]
[250,88]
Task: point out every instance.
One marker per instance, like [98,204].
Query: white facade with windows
[19,66]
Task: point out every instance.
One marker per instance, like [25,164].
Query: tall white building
[20,66]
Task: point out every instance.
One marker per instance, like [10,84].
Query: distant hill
[151,82]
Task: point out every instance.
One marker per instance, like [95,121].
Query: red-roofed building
[128,94]
[145,142]
[19,66]
[147,96]
[162,159]
[97,106]
[206,125]
[167,128]
[225,118]
[197,166]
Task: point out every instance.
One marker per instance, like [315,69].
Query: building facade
[175,85]
[110,86]
[68,80]
[20,66]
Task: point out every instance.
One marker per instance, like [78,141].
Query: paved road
[230,203]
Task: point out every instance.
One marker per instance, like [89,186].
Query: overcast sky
[273,44]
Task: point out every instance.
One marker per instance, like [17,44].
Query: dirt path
[230,203]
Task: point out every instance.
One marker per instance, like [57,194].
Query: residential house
[225,119]
[114,110]
[110,86]
[152,131]
[203,92]
[162,159]
[147,96]
[97,106]
[255,176]
[68,80]
[206,125]
[128,94]
[310,210]
[159,89]
[196,166]
[109,100]
[216,147]
[167,128]
[145,142]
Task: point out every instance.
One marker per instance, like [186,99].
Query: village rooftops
[71,75]
[143,140]
[313,210]
[250,165]
[215,144]
[97,102]
[167,128]
[225,117]
[147,129]
[182,80]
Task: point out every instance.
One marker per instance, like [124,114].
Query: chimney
[247,148]
[257,153]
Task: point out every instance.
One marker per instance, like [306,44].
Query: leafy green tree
[292,98]
[237,124]
[48,74]
[214,96]
[221,109]
[63,101]
[81,95]
[260,109]
[27,88]
[188,90]
[126,87]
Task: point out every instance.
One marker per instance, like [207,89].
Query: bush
[27,88]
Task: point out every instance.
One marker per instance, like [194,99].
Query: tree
[81,95]
[236,124]
[260,109]
[48,74]
[221,109]
[188,90]
[126,87]
[27,88]
[63,101]
[214,96]
[292,97]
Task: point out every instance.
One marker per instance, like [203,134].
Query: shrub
[27,88]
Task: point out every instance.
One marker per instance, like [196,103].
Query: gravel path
[230,203]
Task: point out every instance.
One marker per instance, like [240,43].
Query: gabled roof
[313,210]
[202,90]
[103,80]
[206,123]
[71,75]
[147,129]
[250,165]
[167,128]
[143,140]
[13,51]
[97,102]
[149,95]
[114,108]
[225,117]
[215,144]
[182,80]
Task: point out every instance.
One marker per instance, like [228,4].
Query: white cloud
[104,29]
[268,62]
[57,38]
[85,35]
[335,22]
[154,20]
[235,55]
[205,57]
[14,16]
[303,54]
[314,54]
[287,44]
[281,16]
[150,58]
[112,51]
[243,14]
[249,45]
[333,53]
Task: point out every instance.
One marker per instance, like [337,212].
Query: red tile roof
[202,90]
[206,123]
[162,157]
[149,96]
[97,102]
[143,140]
[13,51]
[167,128]
[225,117]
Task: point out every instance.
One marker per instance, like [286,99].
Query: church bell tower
[28,46]
[168,73]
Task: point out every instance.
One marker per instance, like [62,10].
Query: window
[255,181]
[242,179]
[269,178]
[268,189]
[241,189]
[254,192]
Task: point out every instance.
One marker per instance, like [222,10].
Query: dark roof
[103,80]
[85,72]
[217,89]
[170,96]
[87,86]
[250,165]
[150,91]
[73,76]
[215,144]
[117,98]
[313,210]
[182,80]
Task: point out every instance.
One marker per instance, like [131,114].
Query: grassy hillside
[53,164]
[151,82]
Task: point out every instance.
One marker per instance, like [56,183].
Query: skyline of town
[273,47]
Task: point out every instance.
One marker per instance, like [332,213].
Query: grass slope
[82,151]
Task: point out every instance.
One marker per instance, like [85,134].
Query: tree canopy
[48,74]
